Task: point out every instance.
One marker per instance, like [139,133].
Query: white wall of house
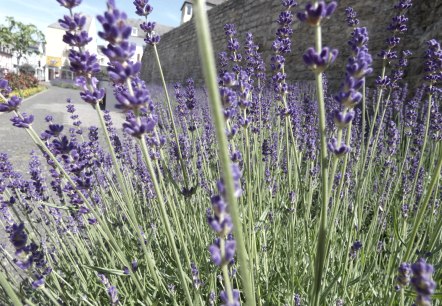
[139,42]
[6,61]
[186,12]
[57,52]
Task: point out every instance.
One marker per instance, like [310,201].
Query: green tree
[22,39]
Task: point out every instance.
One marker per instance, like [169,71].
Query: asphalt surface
[17,143]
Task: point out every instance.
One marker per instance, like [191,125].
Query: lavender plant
[249,190]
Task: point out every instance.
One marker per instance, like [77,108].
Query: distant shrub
[27,69]
[21,81]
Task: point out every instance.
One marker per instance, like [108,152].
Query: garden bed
[26,93]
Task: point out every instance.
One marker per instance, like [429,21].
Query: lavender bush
[250,190]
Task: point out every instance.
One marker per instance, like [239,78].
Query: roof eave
[184,3]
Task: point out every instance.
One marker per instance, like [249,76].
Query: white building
[187,8]
[36,60]
[6,60]
[57,52]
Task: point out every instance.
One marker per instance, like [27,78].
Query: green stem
[209,70]
[170,112]
[424,145]
[322,235]
[423,207]
[9,290]
[165,218]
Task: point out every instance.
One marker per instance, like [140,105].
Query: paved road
[16,142]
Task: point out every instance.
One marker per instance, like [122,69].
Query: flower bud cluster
[82,63]
[143,8]
[5,89]
[358,66]
[315,13]
[318,60]
[398,27]
[11,105]
[255,63]
[282,45]
[27,254]
[152,38]
[352,17]
[116,32]
[433,66]
[420,275]
[223,249]
[233,45]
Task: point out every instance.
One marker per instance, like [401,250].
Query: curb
[28,98]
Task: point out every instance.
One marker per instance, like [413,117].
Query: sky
[45,12]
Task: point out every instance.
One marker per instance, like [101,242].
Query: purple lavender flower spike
[230,29]
[229,252]
[116,29]
[143,8]
[139,99]
[195,276]
[289,3]
[352,19]
[77,40]
[422,282]
[148,26]
[357,245]
[404,4]
[92,97]
[398,24]
[83,63]
[121,73]
[10,106]
[358,66]
[338,150]
[319,62]
[314,13]
[229,79]
[5,89]
[137,129]
[152,38]
[3,83]
[119,53]
[18,237]
[383,82]
[54,130]
[224,297]
[350,98]
[433,66]
[74,23]
[39,282]
[404,274]
[69,4]
[24,121]
[342,119]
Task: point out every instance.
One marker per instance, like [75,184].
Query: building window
[189,9]
[134,31]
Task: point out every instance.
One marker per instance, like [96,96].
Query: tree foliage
[22,39]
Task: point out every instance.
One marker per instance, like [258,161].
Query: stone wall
[179,51]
